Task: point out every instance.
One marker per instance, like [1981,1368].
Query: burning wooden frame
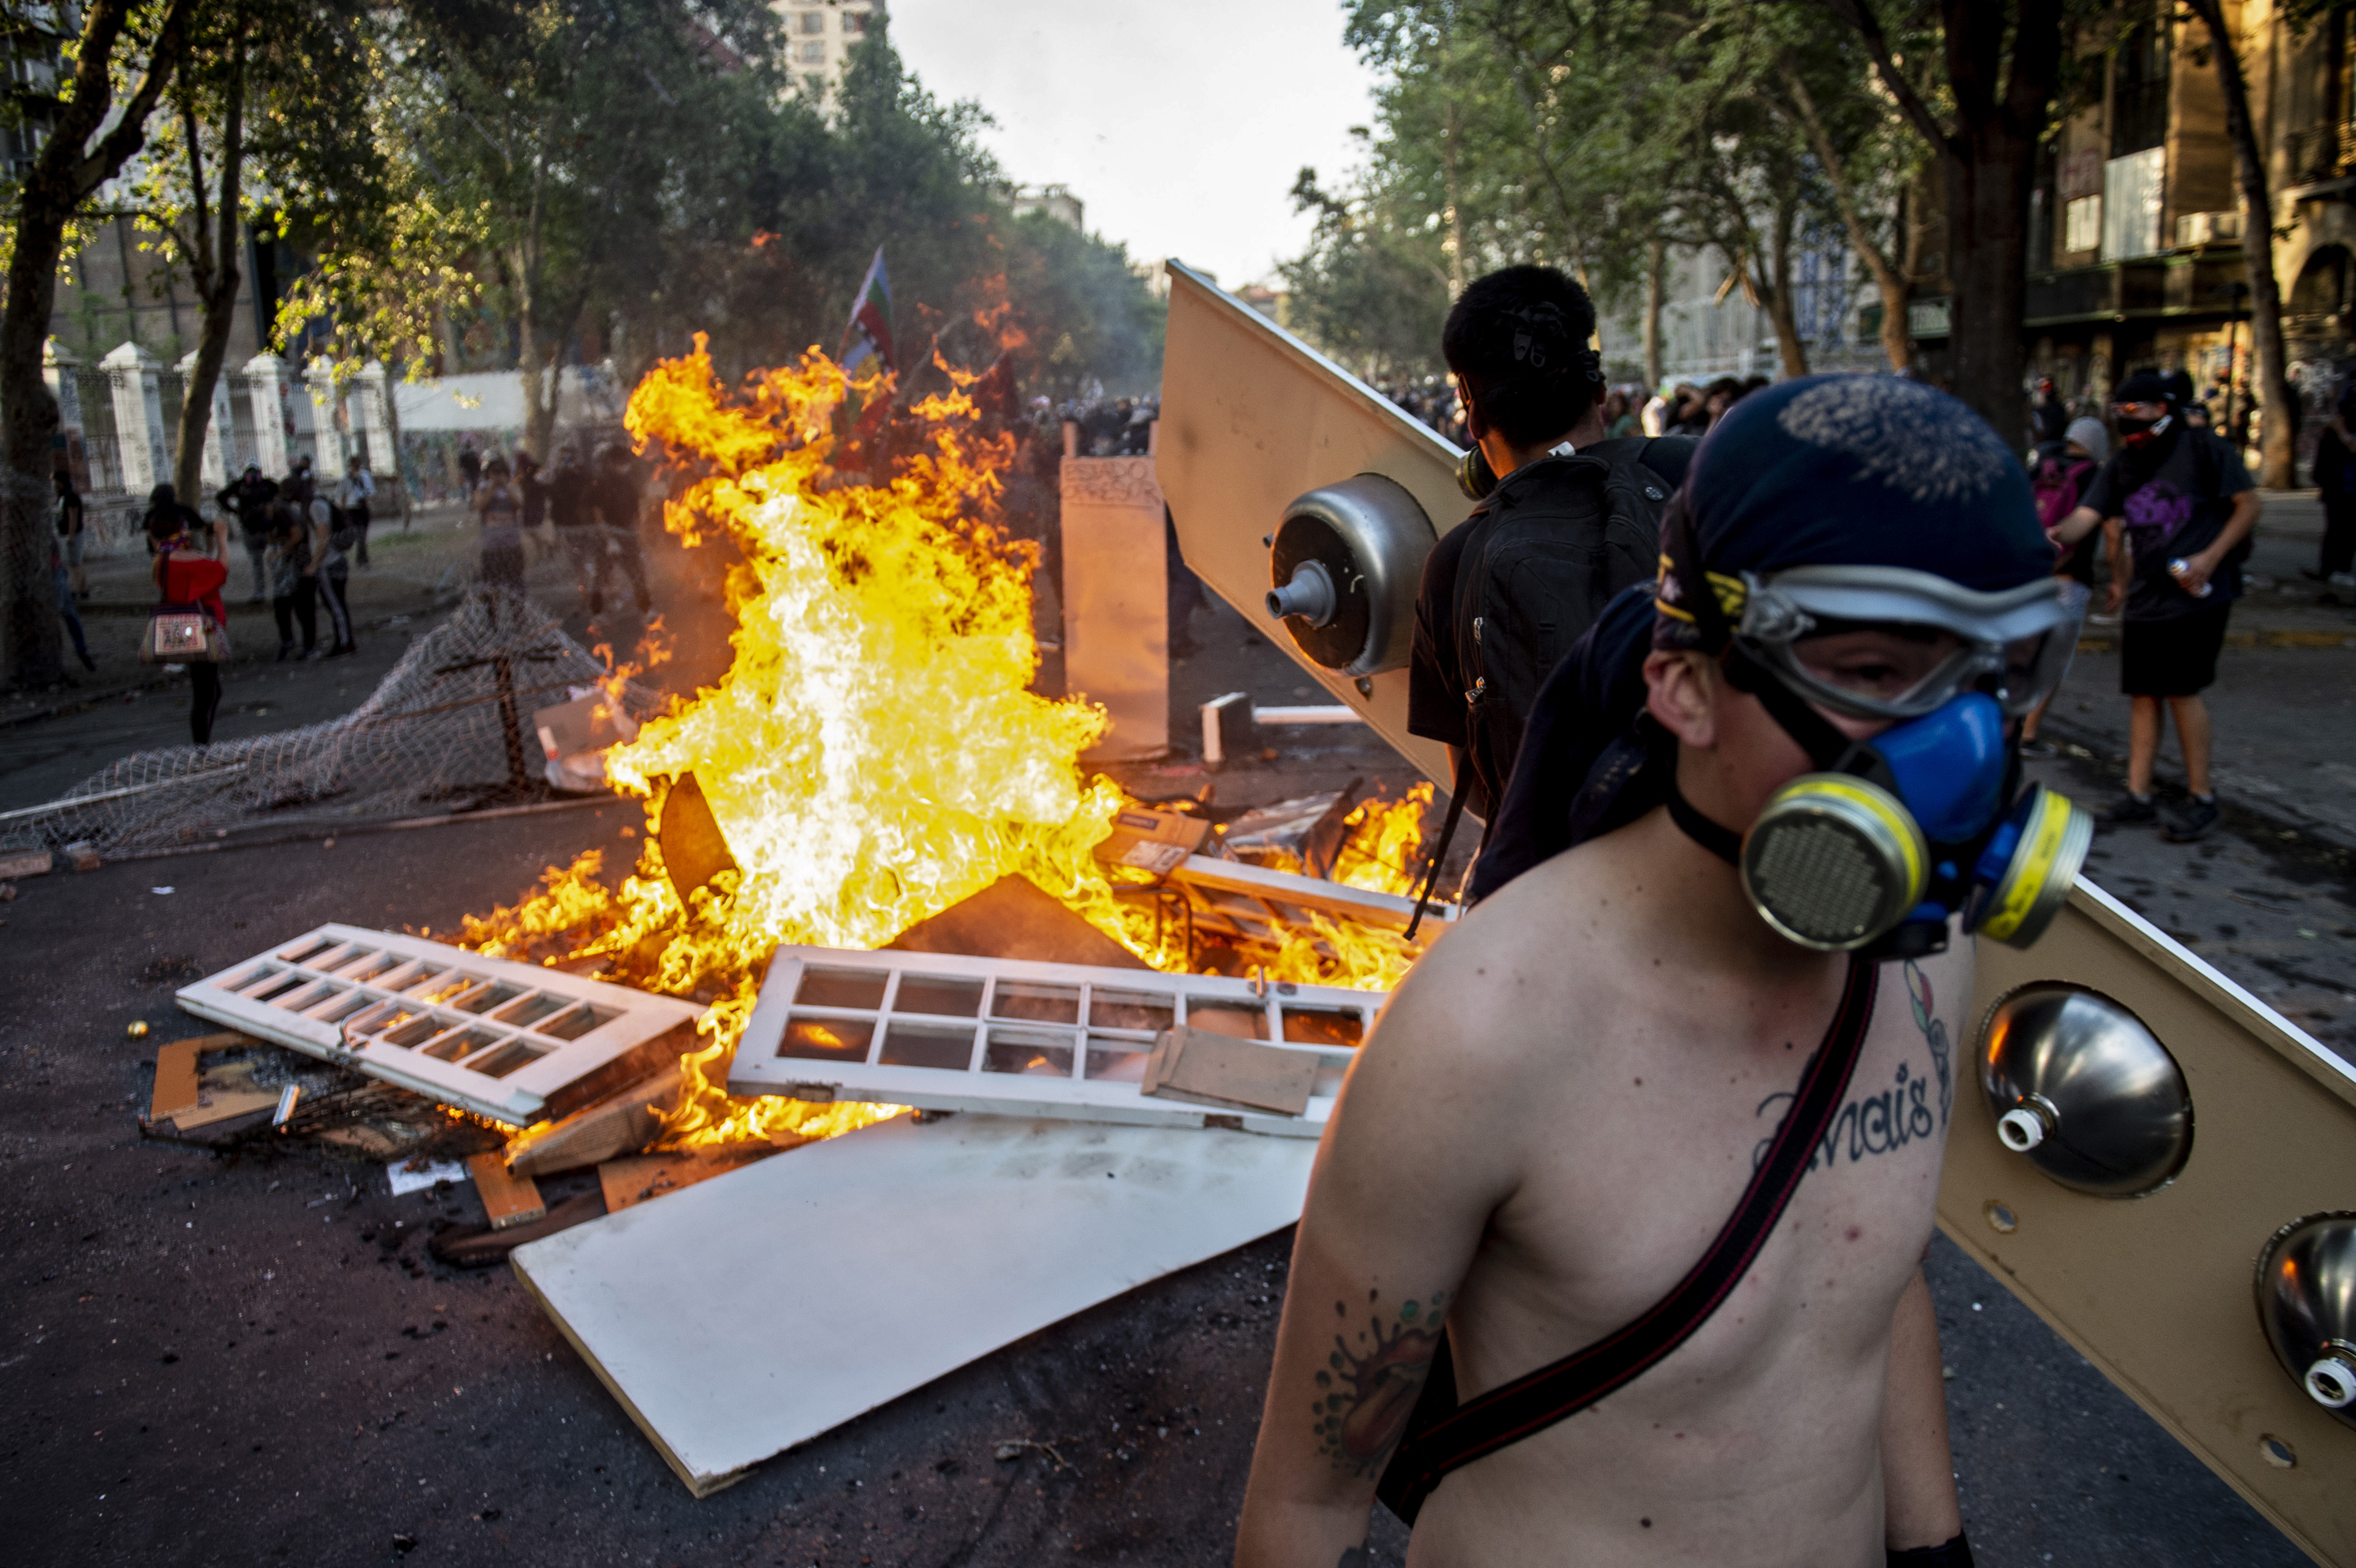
[514,1042]
[951,1033]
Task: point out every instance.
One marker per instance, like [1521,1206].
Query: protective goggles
[1886,642]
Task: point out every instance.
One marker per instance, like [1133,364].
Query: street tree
[267,112]
[1983,119]
[94,126]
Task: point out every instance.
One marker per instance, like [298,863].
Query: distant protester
[2335,479]
[185,574]
[355,497]
[249,498]
[71,521]
[499,510]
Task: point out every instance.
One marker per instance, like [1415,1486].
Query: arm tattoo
[1368,1386]
[1898,1115]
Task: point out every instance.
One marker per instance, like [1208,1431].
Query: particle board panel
[952,1032]
[703,1315]
[1251,417]
[514,1042]
[1115,609]
[2158,1291]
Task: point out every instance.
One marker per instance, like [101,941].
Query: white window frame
[759,1068]
[2081,223]
[402,1009]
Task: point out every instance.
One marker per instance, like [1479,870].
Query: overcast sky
[1180,126]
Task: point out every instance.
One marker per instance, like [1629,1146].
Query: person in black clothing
[470,471]
[2335,478]
[1533,391]
[2049,417]
[2178,503]
[566,485]
[248,498]
[615,496]
[72,536]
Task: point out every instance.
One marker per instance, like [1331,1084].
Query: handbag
[183,633]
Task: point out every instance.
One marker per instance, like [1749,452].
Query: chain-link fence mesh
[449,728]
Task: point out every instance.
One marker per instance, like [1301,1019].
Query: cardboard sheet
[704,1315]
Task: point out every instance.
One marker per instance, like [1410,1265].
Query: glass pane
[1033,1002]
[1323,1026]
[1030,1054]
[339,1007]
[501,1059]
[442,988]
[841,988]
[1241,1019]
[574,1022]
[927,1045]
[1129,1010]
[285,980]
[943,996]
[529,1009]
[303,951]
[487,998]
[1116,1061]
[459,1042]
[417,1029]
[828,1040]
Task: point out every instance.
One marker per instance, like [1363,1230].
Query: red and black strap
[1440,1439]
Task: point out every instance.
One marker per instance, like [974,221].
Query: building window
[855,22]
[813,53]
[2139,90]
[810,22]
[2081,224]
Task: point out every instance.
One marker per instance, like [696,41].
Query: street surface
[247,1360]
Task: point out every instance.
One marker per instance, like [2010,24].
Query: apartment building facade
[818,37]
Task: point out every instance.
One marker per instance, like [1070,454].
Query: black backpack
[1548,548]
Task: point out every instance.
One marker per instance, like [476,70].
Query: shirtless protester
[1620,1127]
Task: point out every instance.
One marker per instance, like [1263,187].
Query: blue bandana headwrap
[1823,471]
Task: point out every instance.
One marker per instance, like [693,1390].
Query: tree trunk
[1775,295]
[1893,284]
[2279,406]
[1655,265]
[1989,161]
[62,176]
[217,287]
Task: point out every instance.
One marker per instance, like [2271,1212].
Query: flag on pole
[869,336]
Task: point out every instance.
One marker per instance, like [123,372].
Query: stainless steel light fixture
[2084,1090]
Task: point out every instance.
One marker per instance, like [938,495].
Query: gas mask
[1892,835]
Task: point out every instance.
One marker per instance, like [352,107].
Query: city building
[1057,201]
[818,36]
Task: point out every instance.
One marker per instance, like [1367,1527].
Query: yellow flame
[873,755]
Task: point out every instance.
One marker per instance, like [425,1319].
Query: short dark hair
[1516,340]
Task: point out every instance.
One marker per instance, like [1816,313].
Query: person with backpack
[1582,1278]
[1573,519]
[2177,508]
[337,531]
[354,497]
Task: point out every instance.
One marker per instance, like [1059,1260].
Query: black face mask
[2129,427]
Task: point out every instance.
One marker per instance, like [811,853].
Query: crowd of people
[1629,408]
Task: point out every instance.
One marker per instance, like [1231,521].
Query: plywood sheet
[2156,1291]
[1115,602]
[705,1316]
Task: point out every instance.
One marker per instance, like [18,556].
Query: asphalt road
[252,1359]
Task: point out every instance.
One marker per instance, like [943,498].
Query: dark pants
[298,607]
[204,701]
[2338,533]
[359,516]
[331,581]
[256,547]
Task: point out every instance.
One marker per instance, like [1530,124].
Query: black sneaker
[2039,749]
[2131,811]
[2195,819]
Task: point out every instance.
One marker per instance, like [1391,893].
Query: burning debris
[873,771]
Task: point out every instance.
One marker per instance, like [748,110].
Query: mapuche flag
[869,336]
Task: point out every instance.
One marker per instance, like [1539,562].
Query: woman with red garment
[185,574]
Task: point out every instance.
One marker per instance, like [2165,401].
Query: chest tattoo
[1886,1122]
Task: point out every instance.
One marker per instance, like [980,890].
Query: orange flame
[873,755]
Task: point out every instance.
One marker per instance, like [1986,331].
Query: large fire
[873,755]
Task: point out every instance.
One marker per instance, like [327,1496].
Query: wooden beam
[509,1200]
